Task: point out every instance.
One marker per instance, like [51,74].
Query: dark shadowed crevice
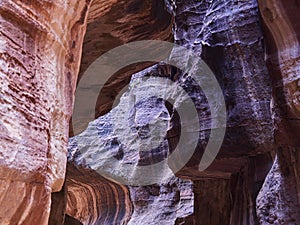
[71,221]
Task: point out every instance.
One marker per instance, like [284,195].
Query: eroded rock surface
[279,202]
[109,25]
[115,143]
[228,36]
[40,51]
[117,23]
[89,192]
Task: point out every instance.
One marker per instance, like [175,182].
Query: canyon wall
[278,202]
[41,43]
[46,49]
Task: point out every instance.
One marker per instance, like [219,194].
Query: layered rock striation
[279,200]
[110,178]
[41,43]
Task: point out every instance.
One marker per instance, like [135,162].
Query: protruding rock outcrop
[235,53]
[111,24]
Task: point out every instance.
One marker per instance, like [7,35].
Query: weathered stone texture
[40,55]
[251,46]
[227,35]
[279,200]
[91,199]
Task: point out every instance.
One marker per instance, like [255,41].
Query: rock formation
[279,199]
[41,44]
[45,50]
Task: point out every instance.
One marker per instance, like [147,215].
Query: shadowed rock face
[279,198]
[122,22]
[228,37]
[254,61]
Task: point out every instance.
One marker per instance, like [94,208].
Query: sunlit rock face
[252,48]
[40,48]
[126,141]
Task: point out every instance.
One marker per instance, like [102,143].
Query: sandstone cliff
[57,169]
